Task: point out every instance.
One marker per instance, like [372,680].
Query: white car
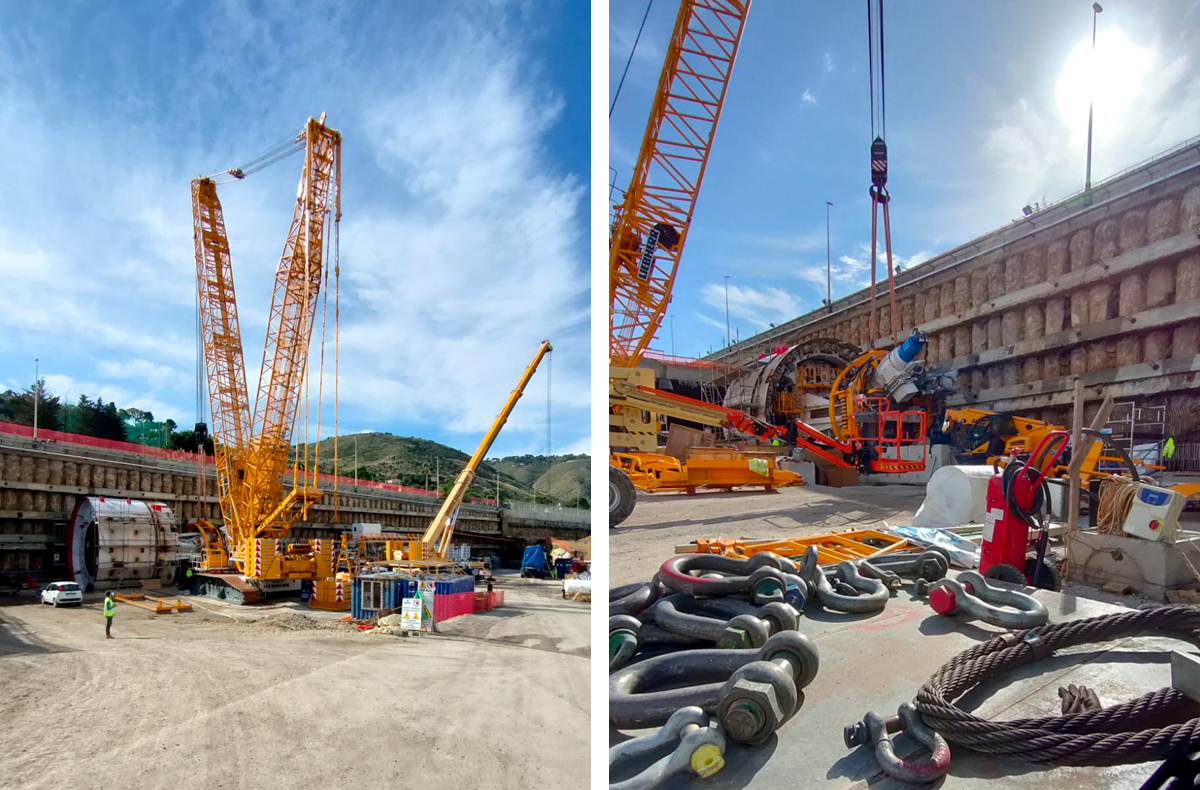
[63,593]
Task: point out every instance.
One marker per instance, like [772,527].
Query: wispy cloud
[464,239]
[808,98]
[828,61]
[1144,102]
[759,307]
[852,272]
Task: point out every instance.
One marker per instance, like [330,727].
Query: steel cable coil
[1146,728]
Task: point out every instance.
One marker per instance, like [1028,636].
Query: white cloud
[759,307]
[463,244]
[828,61]
[815,274]
[487,262]
[69,389]
[153,373]
[808,98]
[854,271]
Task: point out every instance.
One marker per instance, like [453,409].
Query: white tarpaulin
[954,495]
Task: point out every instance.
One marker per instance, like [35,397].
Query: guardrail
[537,512]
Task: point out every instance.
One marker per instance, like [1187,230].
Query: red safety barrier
[452,605]
[101,444]
[485,600]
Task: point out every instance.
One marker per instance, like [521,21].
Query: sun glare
[1115,75]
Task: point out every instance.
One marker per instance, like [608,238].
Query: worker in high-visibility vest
[1169,448]
[110,608]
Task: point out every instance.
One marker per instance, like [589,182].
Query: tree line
[94,417]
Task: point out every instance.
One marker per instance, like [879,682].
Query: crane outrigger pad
[230,587]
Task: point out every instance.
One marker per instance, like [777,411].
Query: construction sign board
[410,614]
[425,592]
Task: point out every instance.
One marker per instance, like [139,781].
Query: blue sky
[464,237]
[986,112]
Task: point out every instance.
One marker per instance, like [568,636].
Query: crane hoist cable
[880,198]
[632,50]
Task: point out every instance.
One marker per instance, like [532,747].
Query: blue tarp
[535,557]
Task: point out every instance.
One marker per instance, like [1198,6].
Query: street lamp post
[1087,179]
[728,337]
[828,261]
[36,396]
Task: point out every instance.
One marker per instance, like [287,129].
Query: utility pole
[437,477]
[497,486]
[828,261]
[672,336]
[1087,179]
[36,396]
[356,462]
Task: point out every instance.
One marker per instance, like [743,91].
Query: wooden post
[1079,454]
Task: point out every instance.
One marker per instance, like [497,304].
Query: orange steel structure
[854,544]
[252,447]
[651,223]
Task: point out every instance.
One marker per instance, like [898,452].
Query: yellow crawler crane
[249,554]
[429,553]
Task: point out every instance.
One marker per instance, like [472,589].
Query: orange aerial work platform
[832,547]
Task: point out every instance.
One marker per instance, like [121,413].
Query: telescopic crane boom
[436,540]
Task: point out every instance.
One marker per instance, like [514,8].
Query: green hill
[567,480]
[427,464]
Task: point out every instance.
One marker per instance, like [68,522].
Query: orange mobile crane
[248,555]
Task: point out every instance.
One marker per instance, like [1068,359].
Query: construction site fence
[346,484]
[685,362]
[537,512]
[43,435]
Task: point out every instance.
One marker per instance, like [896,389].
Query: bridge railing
[537,512]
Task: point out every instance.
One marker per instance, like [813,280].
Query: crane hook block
[663,235]
[879,165]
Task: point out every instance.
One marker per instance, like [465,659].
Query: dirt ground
[227,697]
[662,521]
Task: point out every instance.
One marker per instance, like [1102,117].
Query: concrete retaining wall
[1105,286]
